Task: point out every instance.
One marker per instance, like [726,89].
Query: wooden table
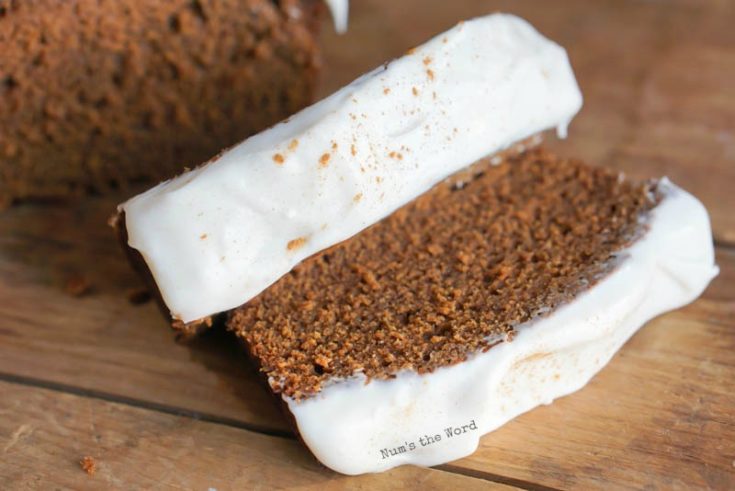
[98,376]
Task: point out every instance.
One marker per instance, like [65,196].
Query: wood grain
[656,78]
[44,435]
[101,341]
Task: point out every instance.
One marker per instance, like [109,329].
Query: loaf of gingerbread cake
[97,94]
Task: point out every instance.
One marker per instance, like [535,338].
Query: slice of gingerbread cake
[405,271]
[483,298]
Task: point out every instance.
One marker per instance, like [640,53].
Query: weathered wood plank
[44,435]
[101,341]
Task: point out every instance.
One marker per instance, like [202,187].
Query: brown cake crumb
[77,285]
[296,243]
[88,465]
[450,274]
[188,330]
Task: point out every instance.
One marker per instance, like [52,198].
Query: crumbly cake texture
[97,94]
[446,276]
[88,465]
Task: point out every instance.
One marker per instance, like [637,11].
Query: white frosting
[215,237]
[340,12]
[348,424]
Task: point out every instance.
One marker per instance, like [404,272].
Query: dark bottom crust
[446,275]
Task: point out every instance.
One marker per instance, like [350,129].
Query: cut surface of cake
[478,301]
[98,94]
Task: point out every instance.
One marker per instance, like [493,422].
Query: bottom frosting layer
[356,427]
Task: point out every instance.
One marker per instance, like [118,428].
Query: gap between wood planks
[142,404]
[724,245]
[180,412]
[489,476]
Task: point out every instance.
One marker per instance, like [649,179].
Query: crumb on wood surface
[77,285]
[88,465]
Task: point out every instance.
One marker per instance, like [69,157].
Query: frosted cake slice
[483,298]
